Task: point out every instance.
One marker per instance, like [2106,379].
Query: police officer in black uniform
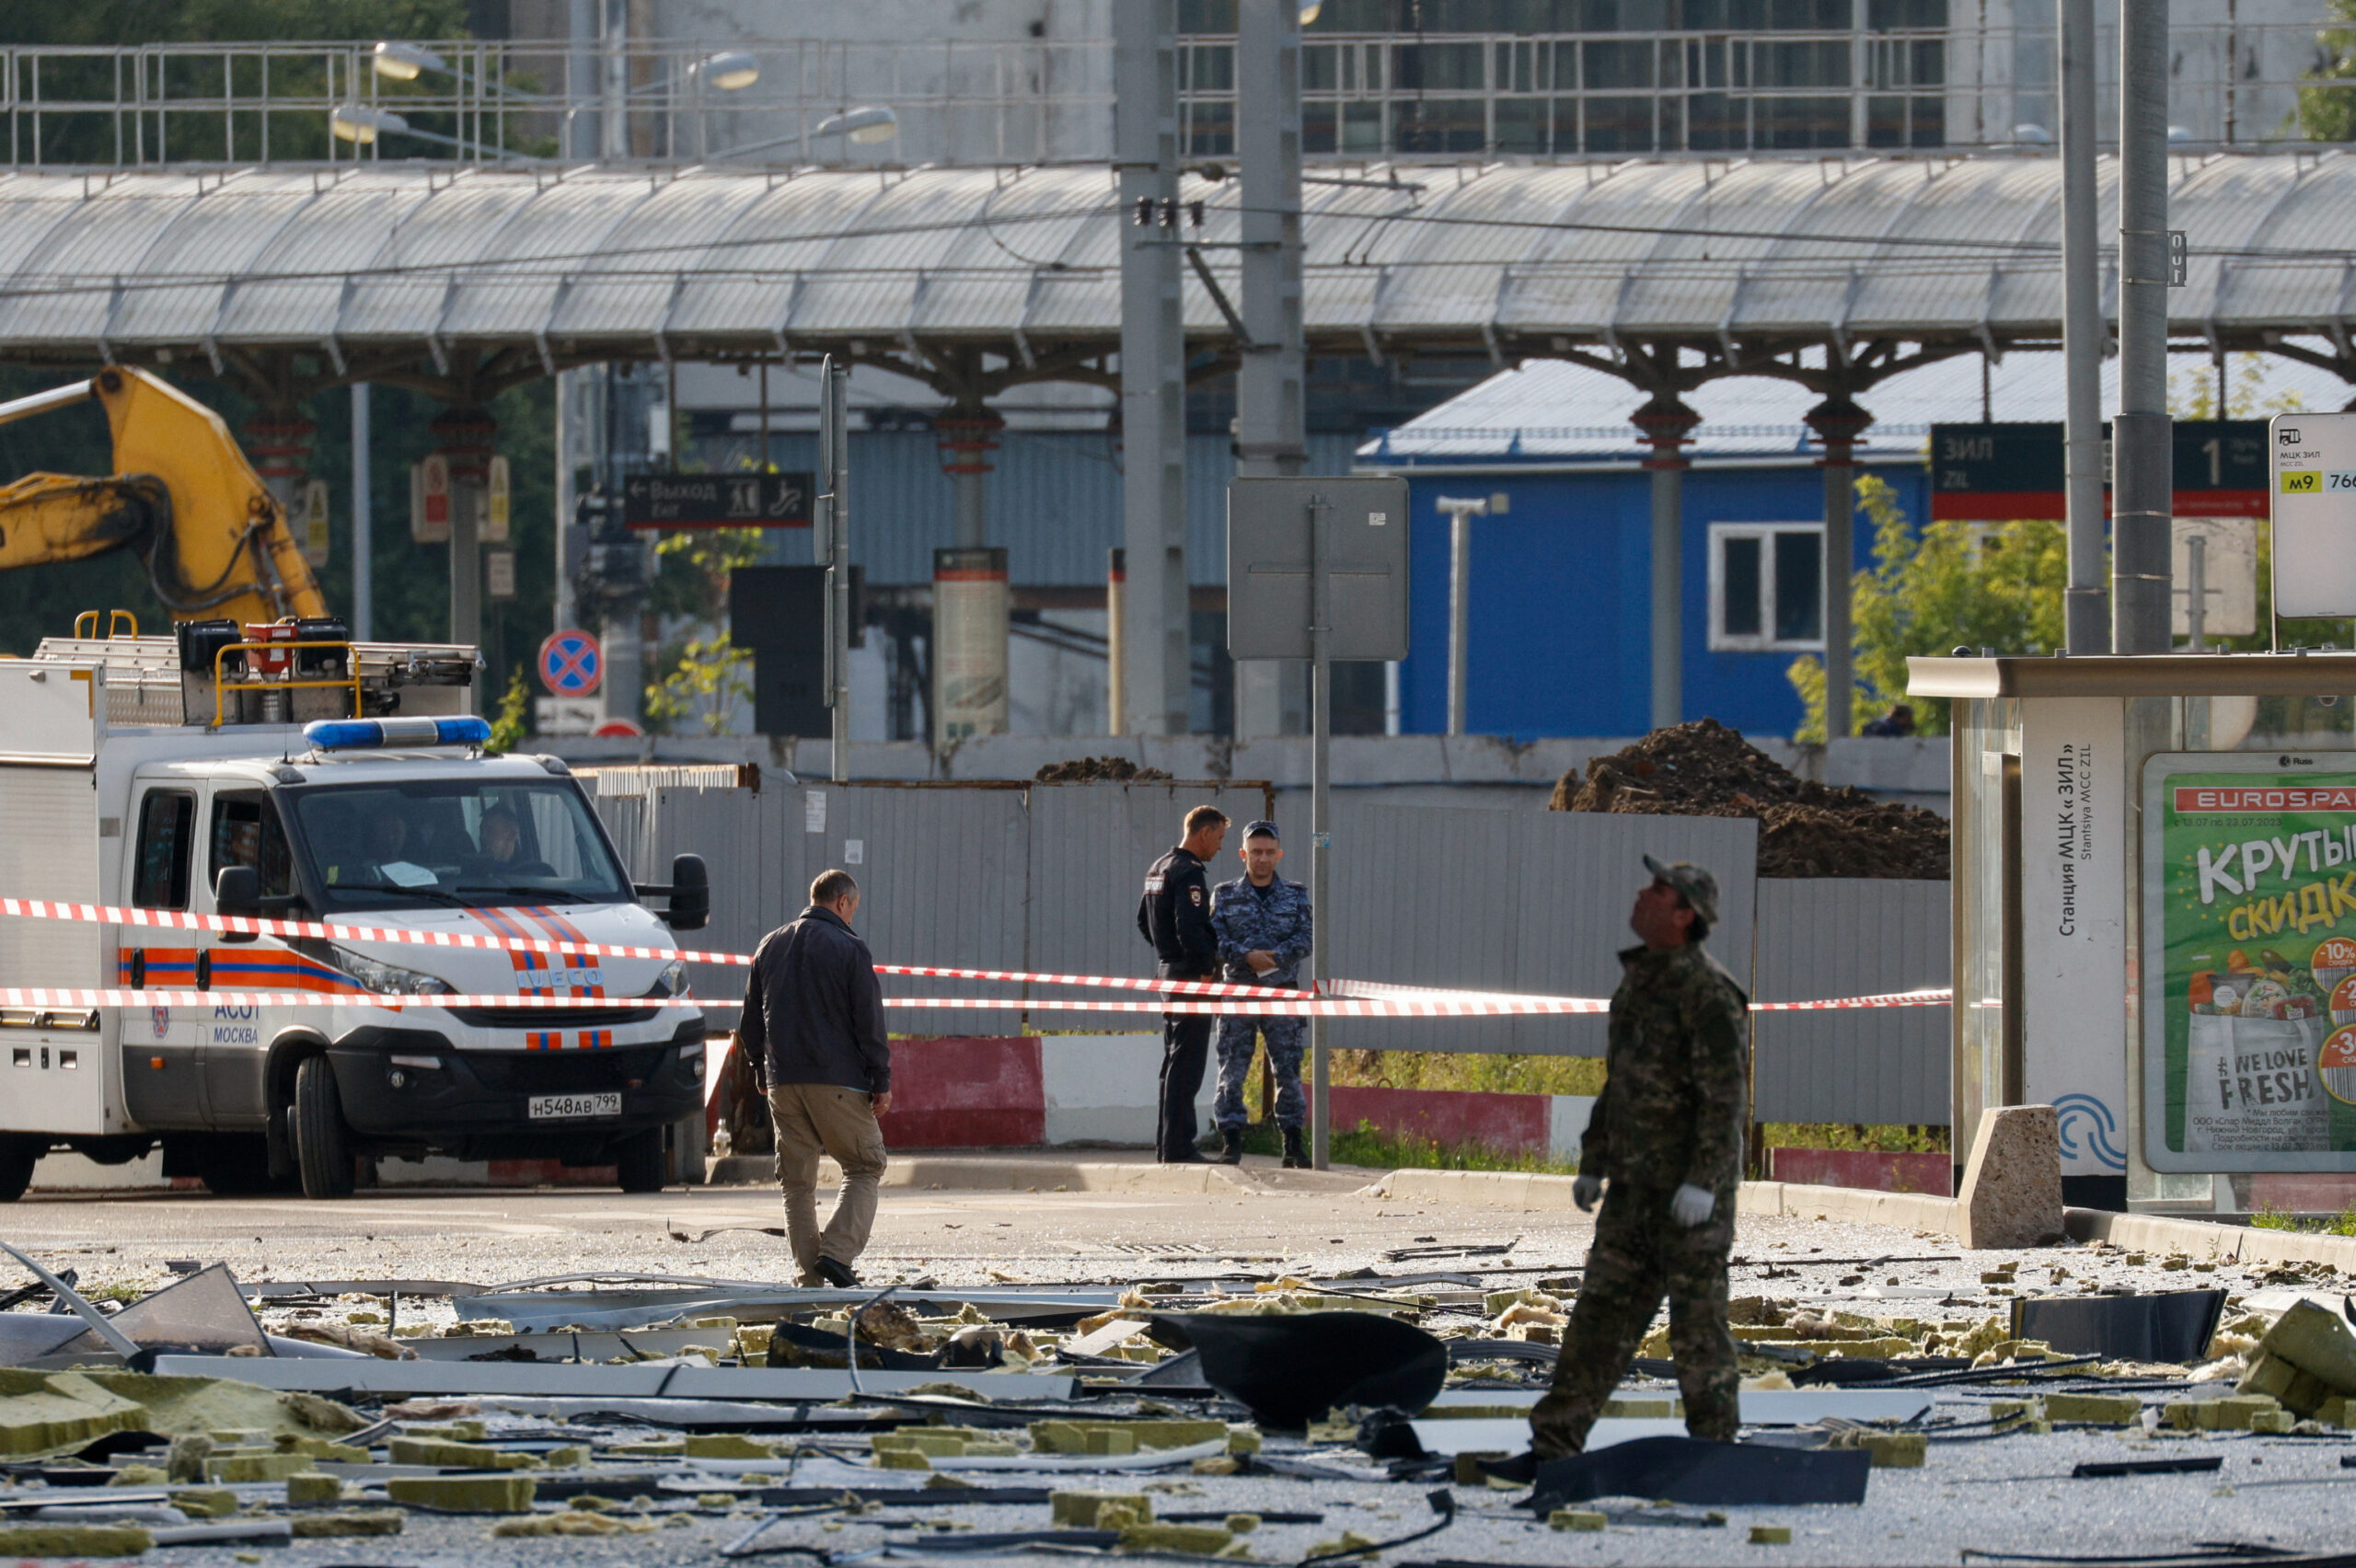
[1175,917]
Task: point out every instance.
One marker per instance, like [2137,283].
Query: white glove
[1693,1206]
[1585,1190]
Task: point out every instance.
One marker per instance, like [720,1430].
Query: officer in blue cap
[1262,922]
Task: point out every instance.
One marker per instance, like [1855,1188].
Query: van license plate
[561,1107]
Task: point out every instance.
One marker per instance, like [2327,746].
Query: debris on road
[1806,829]
[725,1414]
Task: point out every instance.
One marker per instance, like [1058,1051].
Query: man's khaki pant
[812,1119]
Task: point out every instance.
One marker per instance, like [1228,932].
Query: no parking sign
[572,664]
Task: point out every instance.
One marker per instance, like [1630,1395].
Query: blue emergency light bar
[364,734]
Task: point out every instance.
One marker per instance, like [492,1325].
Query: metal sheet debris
[2173,1326]
[1291,1368]
[680,1381]
[1687,1469]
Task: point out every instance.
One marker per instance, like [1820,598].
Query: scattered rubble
[1806,829]
[1176,1417]
[1097,770]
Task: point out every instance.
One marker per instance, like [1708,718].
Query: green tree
[513,721]
[212,137]
[1951,584]
[2328,113]
[700,677]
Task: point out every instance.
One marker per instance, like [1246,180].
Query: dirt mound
[1096,770]
[1806,829]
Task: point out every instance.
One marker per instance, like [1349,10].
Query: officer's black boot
[1230,1145]
[1296,1157]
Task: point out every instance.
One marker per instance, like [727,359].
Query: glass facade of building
[1555,79]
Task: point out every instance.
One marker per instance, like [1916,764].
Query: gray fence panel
[1577,876]
[1089,846]
[1838,937]
[943,879]
[1421,896]
[725,827]
[1512,901]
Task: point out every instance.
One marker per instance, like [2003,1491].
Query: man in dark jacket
[1175,916]
[813,1031]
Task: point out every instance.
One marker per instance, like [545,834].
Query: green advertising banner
[2250,934]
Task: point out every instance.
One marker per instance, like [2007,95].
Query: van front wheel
[17,1154]
[638,1161]
[322,1148]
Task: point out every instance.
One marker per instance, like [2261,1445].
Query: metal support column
[1461,511]
[2142,483]
[1321,817]
[2087,605]
[364,532]
[1666,424]
[1838,423]
[1269,439]
[1153,372]
[833,541]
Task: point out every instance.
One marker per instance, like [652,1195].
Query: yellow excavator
[213,539]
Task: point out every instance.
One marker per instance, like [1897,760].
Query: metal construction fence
[1045,878]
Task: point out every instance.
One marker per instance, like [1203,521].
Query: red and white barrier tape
[76,998]
[1463,1004]
[490,941]
[1334,998]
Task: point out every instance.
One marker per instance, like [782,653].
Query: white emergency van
[288,772]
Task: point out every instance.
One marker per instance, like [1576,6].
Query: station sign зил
[1997,473]
[717,500]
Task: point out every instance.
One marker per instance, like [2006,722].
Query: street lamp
[360,124]
[730,70]
[868,124]
[398,60]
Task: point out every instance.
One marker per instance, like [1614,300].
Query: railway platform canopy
[463,280]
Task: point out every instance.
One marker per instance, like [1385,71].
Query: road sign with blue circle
[571,664]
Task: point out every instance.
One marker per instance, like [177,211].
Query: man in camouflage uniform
[1263,923]
[1667,1133]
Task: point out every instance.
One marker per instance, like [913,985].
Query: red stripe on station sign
[2195,798]
[967,574]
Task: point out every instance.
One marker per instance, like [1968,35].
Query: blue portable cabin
[1559,632]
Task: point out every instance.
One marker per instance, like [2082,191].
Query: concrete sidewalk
[1064,1170]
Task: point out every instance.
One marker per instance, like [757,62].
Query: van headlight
[673,981]
[389,979]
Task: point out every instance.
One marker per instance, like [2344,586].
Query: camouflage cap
[1698,887]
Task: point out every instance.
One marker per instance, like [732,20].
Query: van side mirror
[236,890]
[690,894]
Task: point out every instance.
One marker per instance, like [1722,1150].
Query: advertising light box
[2249,962]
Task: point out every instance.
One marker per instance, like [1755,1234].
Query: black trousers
[1185,1049]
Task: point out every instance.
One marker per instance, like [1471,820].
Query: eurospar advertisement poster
[2249,949]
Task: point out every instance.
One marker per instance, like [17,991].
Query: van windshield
[400,844]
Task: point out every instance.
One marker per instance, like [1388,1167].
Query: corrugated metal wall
[1837,937]
[1513,901]
[1046,878]
[1054,500]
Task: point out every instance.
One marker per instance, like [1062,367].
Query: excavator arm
[183,497]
